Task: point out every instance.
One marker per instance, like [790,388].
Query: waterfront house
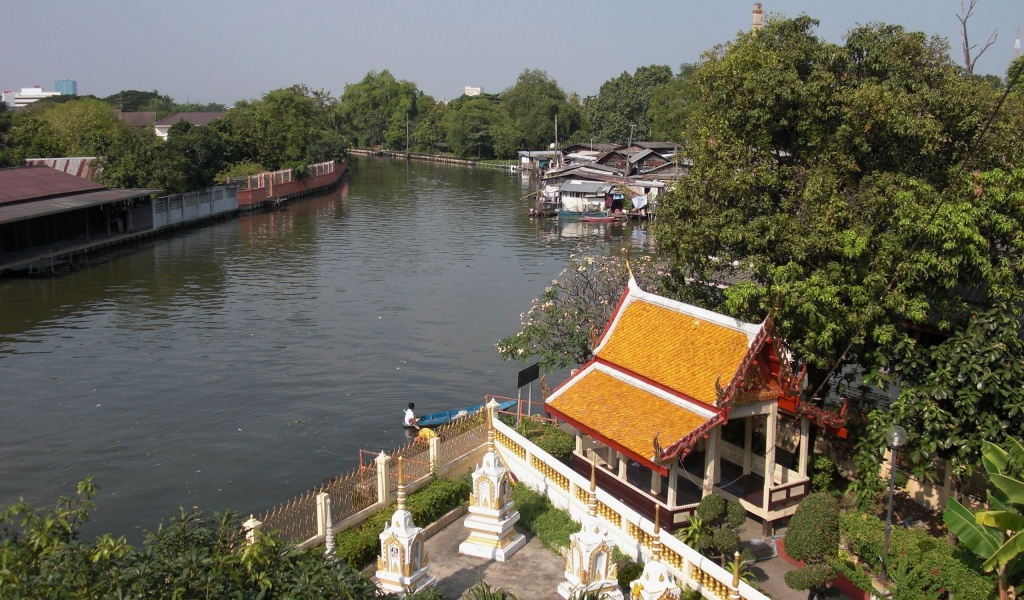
[580,196]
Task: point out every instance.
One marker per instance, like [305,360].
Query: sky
[227,50]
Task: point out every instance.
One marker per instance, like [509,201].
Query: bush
[552,525]
[824,472]
[359,546]
[549,438]
[814,530]
[919,564]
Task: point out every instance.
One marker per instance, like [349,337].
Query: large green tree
[621,107]
[534,103]
[479,127]
[839,178]
[871,190]
[378,109]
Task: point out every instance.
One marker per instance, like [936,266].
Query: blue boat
[447,416]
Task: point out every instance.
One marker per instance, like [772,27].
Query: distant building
[196,118]
[66,87]
[26,96]
[474,91]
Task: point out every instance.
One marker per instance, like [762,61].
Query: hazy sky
[225,50]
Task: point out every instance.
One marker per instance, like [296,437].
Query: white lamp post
[895,437]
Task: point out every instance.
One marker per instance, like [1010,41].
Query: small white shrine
[491,511]
[656,582]
[589,566]
[403,566]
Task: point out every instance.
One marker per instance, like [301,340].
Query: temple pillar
[656,482]
[748,442]
[805,438]
[769,455]
[710,463]
[623,465]
[673,473]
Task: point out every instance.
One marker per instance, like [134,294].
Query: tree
[833,178]
[813,537]
[476,126]
[534,103]
[378,109]
[712,530]
[187,556]
[996,535]
[670,106]
[127,159]
[625,101]
[563,324]
[966,12]
[190,159]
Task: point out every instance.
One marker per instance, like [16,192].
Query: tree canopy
[873,191]
[533,104]
[625,101]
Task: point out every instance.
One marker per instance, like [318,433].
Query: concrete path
[532,573]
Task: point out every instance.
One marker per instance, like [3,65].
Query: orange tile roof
[625,413]
[677,350]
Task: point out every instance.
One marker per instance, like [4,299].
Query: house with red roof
[679,402]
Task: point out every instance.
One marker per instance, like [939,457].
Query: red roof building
[680,402]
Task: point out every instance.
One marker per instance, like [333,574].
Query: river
[238,363]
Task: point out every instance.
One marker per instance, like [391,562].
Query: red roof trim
[607,442]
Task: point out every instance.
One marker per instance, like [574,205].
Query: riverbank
[436,158]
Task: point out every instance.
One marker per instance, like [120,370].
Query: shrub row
[919,565]
[359,546]
[552,526]
[548,438]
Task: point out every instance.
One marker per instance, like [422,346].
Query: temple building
[679,402]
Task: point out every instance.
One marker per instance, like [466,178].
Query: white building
[473,91]
[26,96]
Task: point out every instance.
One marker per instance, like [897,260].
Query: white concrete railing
[632,533]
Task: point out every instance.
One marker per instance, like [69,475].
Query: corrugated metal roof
[195,118]
[19,184]
[51,206]
[79,166]
[585,187]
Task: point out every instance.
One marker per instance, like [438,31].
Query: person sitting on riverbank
[410,417]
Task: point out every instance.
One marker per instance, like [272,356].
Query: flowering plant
[564,323]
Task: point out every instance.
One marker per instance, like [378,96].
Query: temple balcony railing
[632,532]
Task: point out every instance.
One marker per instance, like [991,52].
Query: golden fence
[295,520]
[460,438]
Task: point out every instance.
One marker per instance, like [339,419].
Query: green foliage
[548,438]
[855,573]
[552,525]
[188,556]
[817,169]
[564,323]
[483,591]
[239,170]
[813,534]
[377,110]
[813,537]
[625,101]
[480,128]
[532,104]
[996,535]
[823,473]
[918,563]
[628,569]
[359,546]
[712,529]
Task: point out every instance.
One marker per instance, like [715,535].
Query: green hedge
[920,565]
[359,546]
[548,438]
[553,526]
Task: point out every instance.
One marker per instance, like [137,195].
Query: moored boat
[447,416]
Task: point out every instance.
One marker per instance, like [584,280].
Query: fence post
[435,455]
[383,480]
[321,513]
[252,529]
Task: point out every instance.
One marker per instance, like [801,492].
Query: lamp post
[895,437]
